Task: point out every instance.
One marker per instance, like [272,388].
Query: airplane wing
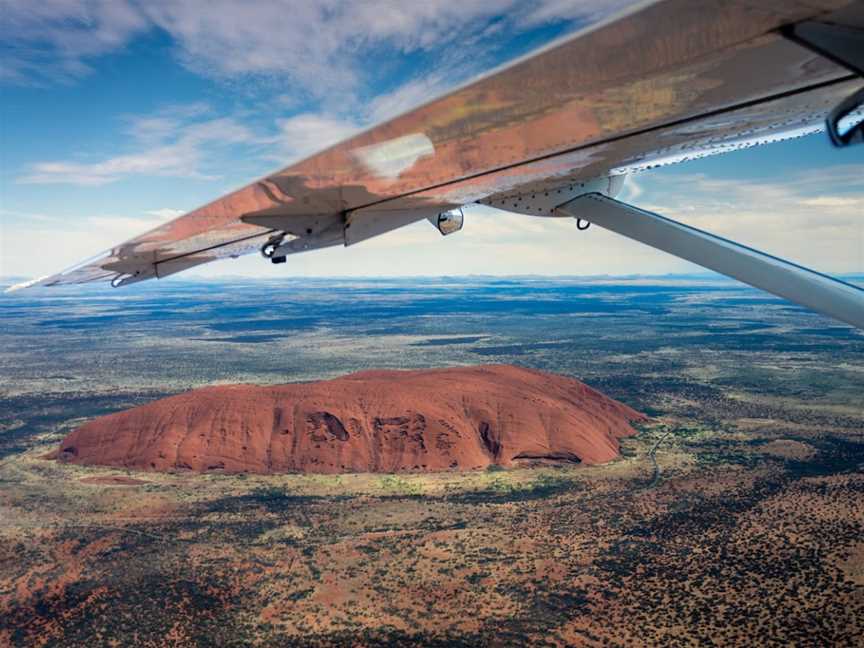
[662,82]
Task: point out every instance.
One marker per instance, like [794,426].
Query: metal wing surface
[661,82]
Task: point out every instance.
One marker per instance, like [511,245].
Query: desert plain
[735,517]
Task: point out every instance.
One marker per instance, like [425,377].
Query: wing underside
[663,82]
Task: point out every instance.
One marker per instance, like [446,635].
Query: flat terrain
[735,518]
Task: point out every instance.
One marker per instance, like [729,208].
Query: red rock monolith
[373,421]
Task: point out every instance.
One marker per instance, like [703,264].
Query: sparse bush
[397,484]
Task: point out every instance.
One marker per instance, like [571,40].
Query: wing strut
[817,291]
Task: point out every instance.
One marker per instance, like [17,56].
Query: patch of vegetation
[401,485]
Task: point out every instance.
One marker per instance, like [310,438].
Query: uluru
[372,421]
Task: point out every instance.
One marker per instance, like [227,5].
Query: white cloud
[165,213]
[324,46]
[174,142]
[124,227]
[160,126]
[21,233]
[833,202]
[178,161]
[308,133]
[406,97]
[631,190]
[808,217]
[587,10]
[53,40]
[318,44]
[14,214]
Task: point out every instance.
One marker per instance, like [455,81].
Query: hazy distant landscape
[737,513]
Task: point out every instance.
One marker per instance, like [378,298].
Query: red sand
[374,421]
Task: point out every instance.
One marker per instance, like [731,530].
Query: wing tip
[26,284]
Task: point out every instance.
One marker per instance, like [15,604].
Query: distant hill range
[374,421]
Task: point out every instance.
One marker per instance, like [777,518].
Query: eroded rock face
[374,421]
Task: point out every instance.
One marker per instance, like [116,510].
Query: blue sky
[117,114]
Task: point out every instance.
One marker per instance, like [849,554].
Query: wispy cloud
[307,133]
[81,237]
[177,142]
[121,226]
[588,10]
[165,213]
[324,47]
[406,96]
[320,45]
[166,122]
[55,40]
[810,217]
[631,190]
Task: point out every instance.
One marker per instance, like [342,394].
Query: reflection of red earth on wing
[374,421]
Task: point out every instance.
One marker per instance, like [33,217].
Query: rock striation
[373,421]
